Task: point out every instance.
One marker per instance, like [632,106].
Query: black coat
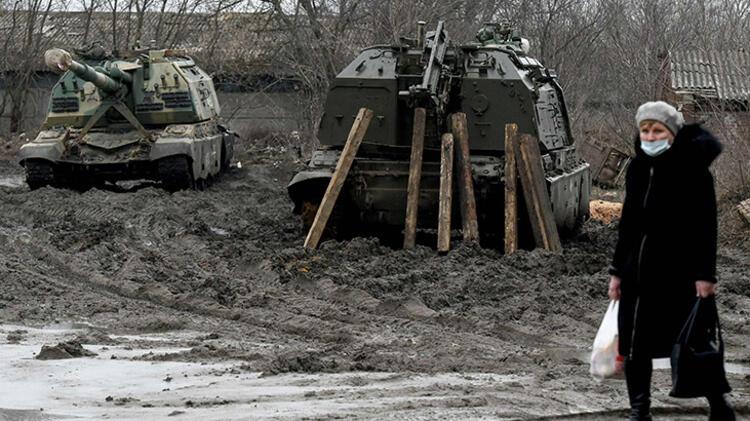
[667,241]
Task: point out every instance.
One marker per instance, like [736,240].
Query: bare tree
[89,6]
[29,19]
[141,6]
[112,4]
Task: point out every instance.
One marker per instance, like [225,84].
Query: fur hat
[663,113]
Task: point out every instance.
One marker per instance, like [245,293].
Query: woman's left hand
[705,289]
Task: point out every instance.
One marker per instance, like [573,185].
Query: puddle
[735,368]
[563,354]
[731,368]
[100,387]
[111,385]
[13,181]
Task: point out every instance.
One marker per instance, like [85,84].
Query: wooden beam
[415,176]
[356,134]
[535,194]
[744,208]
[465,179]
[446,194]
[511,198]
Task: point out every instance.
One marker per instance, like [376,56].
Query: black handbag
[698,356]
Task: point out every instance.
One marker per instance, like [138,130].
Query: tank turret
[61,61]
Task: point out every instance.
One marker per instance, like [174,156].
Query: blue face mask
[657,147]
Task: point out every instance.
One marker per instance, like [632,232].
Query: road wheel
[307,213]
[175,173]
[39,174]
[338,226]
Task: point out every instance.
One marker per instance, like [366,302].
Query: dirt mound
[204,352]
[230,260]
[96,337]
[16,336]
[63,350]
[304,362]
[9,146]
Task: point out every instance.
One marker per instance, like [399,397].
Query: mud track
[228,261]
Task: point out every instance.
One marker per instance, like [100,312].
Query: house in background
[711,87]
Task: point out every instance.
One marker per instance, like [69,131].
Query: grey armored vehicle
[152,116]
[493,81]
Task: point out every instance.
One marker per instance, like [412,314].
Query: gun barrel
[59,59]
[88,73]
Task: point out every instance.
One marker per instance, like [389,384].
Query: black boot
[638,379]
[720,409]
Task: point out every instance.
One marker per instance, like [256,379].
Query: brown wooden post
[465,180]
[446,194]
[356,134]
[744,208]
[415,176]
[535,194]
[511,198]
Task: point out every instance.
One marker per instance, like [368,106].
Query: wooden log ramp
[446,194]
[415,176]
[511,198]
[536,196]
[467,199]
[356,135]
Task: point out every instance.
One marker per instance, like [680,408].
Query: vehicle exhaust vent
[65,105]
[176,99]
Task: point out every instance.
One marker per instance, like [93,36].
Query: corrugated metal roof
[718,74]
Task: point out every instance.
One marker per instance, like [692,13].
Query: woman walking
[666,250]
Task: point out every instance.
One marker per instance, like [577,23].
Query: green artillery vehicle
[152,116]
[493,81]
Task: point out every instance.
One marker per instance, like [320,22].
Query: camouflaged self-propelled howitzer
[150,117]
[492,80]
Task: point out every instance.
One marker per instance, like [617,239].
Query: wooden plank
[465,180]
[511,198]
[535,194]
[446,194]
[744,208]
[415,176]
[356,134]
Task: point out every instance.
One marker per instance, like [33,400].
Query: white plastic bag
[606,361]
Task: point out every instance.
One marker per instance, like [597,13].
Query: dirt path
[227,262]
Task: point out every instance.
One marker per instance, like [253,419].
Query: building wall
[253,114]
[732,168]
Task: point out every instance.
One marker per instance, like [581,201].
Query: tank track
[39,174]
[226,158]
[175,173]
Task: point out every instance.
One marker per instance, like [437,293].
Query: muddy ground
[226,265]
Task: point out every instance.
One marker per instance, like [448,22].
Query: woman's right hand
[614,288]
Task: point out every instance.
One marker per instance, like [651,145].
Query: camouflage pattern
[151,116]
[492,80]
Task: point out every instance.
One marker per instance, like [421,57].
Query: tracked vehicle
[150,116]
[492,80]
